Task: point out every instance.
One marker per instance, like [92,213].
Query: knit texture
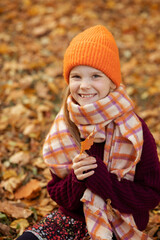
[94,47]
[136,197]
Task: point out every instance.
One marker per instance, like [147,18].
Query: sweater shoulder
[149,150]
[147,135]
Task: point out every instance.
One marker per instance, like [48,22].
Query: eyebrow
[73,73]
[96,72]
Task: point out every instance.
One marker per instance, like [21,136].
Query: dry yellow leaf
[42,211]
[9,173]
[21,224]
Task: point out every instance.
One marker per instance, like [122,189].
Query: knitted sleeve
[129,197]
[66,192]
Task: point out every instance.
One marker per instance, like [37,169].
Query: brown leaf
[28,191]
[14,211]
[152,231]
[39,162]
[150,113]
[21,158]
[12,183]
[4,229]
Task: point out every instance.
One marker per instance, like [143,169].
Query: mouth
[87,95]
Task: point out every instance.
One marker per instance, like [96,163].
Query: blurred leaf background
[33,37]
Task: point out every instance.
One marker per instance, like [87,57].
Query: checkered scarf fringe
[112,119]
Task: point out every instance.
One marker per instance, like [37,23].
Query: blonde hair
[71,126]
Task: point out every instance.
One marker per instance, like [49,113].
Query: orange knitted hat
[94,47]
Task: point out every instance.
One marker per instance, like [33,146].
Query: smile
[87,95]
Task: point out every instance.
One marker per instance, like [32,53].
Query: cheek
[104,91]
[73,88]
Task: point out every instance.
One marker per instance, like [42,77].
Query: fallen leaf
[150,113]
[21,158]
[8,173]
[29,129]
[28,191]
[14,211]
[4,229]
[12,183]
[39,163]
[20,224]
[152,231]
[42,211]
[33,39]
[44,202]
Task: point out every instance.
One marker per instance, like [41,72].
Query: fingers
[83,166]
[80,157]
[84,175]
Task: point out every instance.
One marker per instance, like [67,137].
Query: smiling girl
[87,84]
[107,191]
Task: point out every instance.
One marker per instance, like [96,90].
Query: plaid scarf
[111,119]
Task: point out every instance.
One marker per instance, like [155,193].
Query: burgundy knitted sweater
[137,197]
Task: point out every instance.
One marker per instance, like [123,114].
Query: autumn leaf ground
[33,37]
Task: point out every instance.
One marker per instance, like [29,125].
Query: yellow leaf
[20,224]
[42,211]
[9,173]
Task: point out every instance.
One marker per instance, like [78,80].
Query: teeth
[87,96]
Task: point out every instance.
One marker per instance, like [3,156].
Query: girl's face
[88,84]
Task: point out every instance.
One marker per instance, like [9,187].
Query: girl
[105,192]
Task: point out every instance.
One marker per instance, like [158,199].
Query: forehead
[84,68]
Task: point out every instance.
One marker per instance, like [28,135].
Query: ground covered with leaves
[33,37]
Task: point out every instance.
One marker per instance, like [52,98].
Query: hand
[83,166]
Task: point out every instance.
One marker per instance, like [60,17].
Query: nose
[85,84]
